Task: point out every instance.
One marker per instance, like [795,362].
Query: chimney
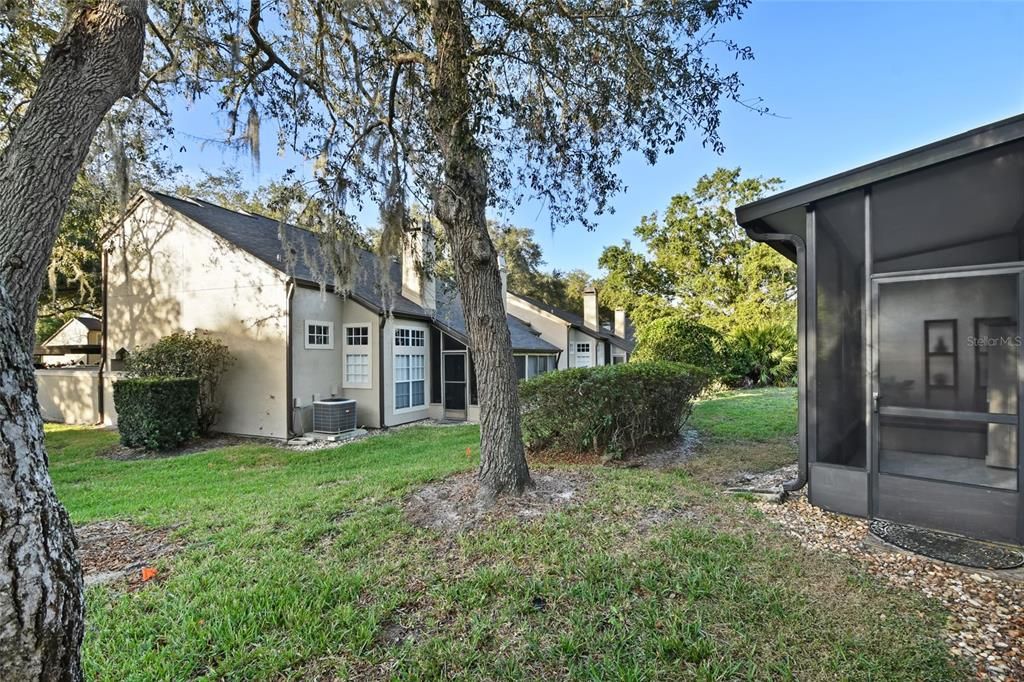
[620,323]
[590,313]
[503,273]
[418,266]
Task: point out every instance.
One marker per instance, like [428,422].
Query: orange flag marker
[148,574]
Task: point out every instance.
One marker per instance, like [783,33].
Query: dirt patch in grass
[121,452]
[451,505]
[110,551]
[664,455]
[735,463]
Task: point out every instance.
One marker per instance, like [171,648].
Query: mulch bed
[659,455]
[451,505]
[117,551]
[121,452]
[986,622]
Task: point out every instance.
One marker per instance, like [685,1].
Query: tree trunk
[94,61]
[460,203]
[41,593]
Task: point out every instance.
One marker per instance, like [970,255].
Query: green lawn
[757,414]
[752,430]
[301,565]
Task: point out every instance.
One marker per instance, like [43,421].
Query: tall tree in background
[462,106]
[701,264]
[93,62]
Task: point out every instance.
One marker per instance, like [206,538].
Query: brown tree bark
[93,62]
[460,203]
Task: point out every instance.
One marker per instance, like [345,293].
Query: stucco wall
[166,274]
[596,347]
[552,329]
[69,395]
[392,417]
[319,372]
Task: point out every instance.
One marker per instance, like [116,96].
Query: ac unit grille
[334,415]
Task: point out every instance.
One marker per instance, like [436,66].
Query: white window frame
[410,350]
[350,349]
[319,323]
[526,363]
[619,358]
[577,353]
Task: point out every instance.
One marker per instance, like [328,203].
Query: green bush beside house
[610,409]
[156,413]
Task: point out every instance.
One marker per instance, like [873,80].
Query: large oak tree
[93,62]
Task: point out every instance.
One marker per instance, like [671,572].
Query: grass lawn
[751,430]
[301,565]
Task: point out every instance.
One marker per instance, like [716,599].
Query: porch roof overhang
[783,212]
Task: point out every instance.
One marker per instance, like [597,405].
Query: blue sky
[849,83]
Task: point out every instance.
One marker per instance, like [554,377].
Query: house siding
[551,328]
[597,351]
[320,372]
[167,274]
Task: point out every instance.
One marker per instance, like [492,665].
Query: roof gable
[298,255]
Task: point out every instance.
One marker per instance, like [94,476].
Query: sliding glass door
[946,390]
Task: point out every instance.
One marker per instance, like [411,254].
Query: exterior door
[455,384]
[946,391]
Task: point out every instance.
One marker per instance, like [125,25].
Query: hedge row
[610,409]
[156,413]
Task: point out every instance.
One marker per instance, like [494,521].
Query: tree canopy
[700,263]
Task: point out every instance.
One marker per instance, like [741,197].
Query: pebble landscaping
[986,622]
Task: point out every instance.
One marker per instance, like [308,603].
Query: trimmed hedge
[156,413]
[610,409]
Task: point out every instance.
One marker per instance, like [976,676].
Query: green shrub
[762,355]
[676,339]
[610,409]
[188,354]
[156,413]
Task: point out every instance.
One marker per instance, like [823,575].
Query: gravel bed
[370,433]
[986,622]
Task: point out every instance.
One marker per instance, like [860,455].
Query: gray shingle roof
[261,237]
[93,324]
[626,344]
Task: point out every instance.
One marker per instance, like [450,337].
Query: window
[618,359]
[529,366]
[410,369]
[409,337]
[357,356]
[582,355]
[357,335]
[319,335]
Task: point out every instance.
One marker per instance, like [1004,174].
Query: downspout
[568,344]
[380,371]
[103,340]
[802,354]
[289,398]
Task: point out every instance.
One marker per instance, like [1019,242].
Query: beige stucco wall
[69,395]
[392,417]
[167,274]
[596,347]
[552,329]
[319,372]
